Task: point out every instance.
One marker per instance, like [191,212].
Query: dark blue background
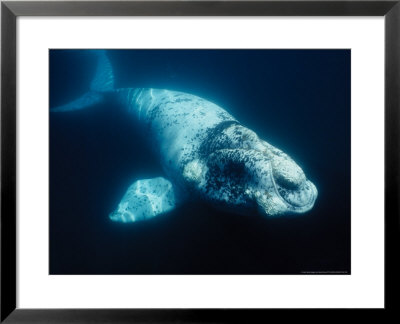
[297,100]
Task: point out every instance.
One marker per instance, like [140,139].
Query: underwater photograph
[200,161]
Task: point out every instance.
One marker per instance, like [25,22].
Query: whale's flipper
[145,199]
[103,81]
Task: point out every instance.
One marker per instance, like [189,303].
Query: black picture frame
[10,10]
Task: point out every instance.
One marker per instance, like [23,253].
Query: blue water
[297,100]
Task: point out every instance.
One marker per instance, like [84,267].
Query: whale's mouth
[285,197]
[291,186]
[298,200]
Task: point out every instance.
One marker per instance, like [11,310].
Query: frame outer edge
[8,162]
[392,155]
[8,157]
[203,8]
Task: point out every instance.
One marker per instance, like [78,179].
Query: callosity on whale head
[240,172]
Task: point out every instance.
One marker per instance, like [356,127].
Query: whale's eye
[227,177]
[235,169]
[229,165]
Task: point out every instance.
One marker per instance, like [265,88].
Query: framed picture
[217,158]
[175,159]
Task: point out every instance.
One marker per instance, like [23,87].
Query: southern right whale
[205,154]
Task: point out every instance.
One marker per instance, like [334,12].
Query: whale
[206,154]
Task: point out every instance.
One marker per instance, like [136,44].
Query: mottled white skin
[206,153]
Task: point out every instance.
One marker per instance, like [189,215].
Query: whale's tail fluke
[102,82]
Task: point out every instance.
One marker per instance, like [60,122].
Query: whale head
[241,173]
